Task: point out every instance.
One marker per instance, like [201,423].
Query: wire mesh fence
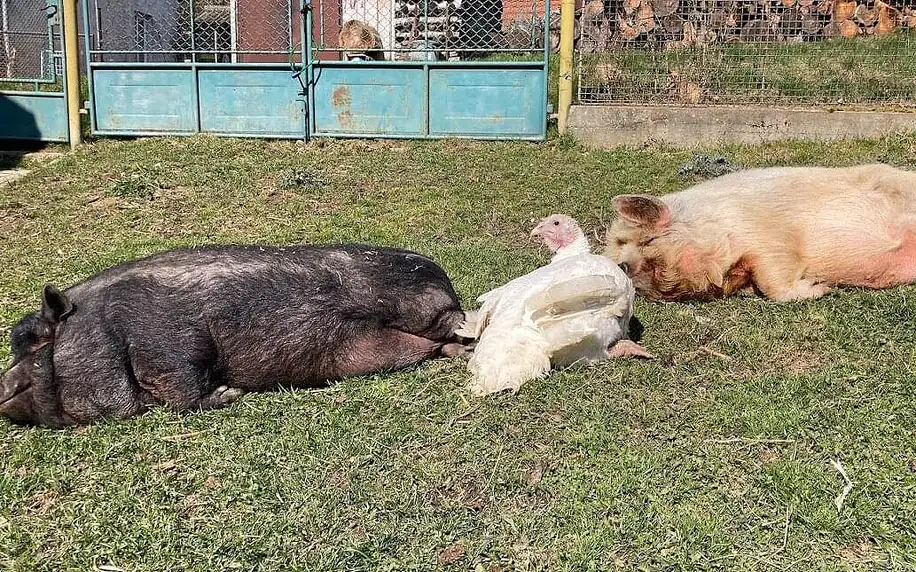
[834,52]
[270,30]
[430,29]
[28,43]
[223,31]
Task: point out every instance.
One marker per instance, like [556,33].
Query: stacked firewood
[434,25]
[682,23]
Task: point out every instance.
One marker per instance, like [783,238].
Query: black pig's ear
[55,306]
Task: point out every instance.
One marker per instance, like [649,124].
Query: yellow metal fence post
[71,49]
[567,29]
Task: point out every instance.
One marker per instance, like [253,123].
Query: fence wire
[747,51]
[430,29]
[269,30]
[27,41]
[195,30]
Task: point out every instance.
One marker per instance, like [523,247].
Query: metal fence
[27,44]
[832,52]
[233,31]
[430,30]
[222,31]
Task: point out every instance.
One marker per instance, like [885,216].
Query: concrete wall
[615,125]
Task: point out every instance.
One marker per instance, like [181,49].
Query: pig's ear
[55,306]
[642,210]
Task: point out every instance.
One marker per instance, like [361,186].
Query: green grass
[618,465]
[862,70]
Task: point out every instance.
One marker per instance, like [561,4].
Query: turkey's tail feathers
[506,359]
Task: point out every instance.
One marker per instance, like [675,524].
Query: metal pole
[6,38]
[72,57]
[193,32]
[567,24]
[233,31]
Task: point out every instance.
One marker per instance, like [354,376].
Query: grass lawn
[715,456]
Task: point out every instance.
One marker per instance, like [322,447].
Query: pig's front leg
[802,289]
[780,279]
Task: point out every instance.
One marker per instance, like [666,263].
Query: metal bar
[320,23]
[34,80]
[538,65]
[98,24]
[328,48]
[193,34]
[187,65]
[546,64]
[52,94]
[194,73]
[233,30]
[533,64]
[50,38]
[4,20]
[504,137]
[192,133]
[289,26]
[88,55]
[308,68]
[426,117]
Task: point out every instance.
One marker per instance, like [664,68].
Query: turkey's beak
[536,232]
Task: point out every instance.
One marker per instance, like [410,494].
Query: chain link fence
[224,31]
[269,30]
[28,44]
[829,52]
[430,29]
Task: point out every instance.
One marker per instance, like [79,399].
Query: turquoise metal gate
[178,67]
[32,79]
[429,68]
[284,68]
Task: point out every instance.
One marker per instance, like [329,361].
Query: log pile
[685,23]
[440,27]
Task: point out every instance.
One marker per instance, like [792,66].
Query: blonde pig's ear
[642,210]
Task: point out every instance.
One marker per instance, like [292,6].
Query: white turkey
[576,308]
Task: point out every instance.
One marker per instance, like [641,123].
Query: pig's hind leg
[780,277]
[439,326]
[385,349]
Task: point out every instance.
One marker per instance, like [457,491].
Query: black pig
[196,328]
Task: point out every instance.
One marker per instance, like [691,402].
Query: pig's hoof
[456,350]
[225,395]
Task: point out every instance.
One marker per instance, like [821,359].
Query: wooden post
[72,57]
[567,30]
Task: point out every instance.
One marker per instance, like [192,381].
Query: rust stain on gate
[342,100]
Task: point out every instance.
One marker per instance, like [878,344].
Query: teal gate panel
[250,102]
[427,68]
[363,99]
[144,101]
[487,102]
[33,105]
[34,116]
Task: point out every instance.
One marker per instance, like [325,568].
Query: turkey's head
[558,231]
